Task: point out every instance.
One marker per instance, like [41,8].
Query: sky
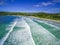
[48,6]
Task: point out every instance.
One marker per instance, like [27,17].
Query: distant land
[54,16]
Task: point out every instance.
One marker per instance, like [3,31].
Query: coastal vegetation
[54,16]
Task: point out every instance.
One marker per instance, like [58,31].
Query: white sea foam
[21,36]
[48,24]
[11,29]
[26,35]
[43,36]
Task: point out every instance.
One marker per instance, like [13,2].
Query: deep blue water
[7,19]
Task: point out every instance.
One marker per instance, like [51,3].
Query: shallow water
[16,30]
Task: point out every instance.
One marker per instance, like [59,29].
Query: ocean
[20,30]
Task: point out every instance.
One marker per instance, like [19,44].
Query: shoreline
[36,17]
[46,19]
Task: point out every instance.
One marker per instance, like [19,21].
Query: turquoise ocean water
[17,30]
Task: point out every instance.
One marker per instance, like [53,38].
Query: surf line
[28,27]
[48,24]
[4,38]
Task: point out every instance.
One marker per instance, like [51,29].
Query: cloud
[48,3]
[44,4]
[4,2]
[56,10]
[1,2]
[36,5]
[56,1]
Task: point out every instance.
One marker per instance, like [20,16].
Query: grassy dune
[55,16]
